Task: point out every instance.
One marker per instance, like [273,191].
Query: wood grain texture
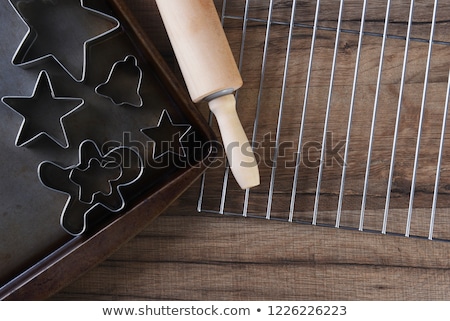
[189,256]
[185,255]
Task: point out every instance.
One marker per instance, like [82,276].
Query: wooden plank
[184,256]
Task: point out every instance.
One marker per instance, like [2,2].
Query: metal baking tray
[97,139]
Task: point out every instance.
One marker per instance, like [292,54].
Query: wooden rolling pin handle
[210,73]
[237,147]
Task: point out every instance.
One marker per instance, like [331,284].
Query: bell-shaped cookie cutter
[32,35]
[124,83]
[74,216]
[38,109]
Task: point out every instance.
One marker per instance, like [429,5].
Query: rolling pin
[210,73]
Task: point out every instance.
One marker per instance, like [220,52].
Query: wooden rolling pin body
[211,74]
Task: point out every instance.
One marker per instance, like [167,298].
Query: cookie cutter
[124,75]
[39,16]
[159,133]
[74,216]
[88,189]
[38,108]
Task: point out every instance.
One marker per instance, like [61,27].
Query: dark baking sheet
[167,132]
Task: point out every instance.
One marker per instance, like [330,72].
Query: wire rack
[346,103]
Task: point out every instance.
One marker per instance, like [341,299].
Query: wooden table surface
[186,255]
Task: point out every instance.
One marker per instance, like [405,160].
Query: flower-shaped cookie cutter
[118,168]
[86,178]
[51,28]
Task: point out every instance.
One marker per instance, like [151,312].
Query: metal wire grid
[291,25]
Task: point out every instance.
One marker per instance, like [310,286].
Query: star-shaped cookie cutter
[31,37]
[74,216]
[20,104]
[163,129]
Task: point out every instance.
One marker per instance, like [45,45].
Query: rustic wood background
[186,255]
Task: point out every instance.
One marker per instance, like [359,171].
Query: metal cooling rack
[404,34]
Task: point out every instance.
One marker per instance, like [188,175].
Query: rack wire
[346,103]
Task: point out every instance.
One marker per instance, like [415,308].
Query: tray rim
[81,253]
